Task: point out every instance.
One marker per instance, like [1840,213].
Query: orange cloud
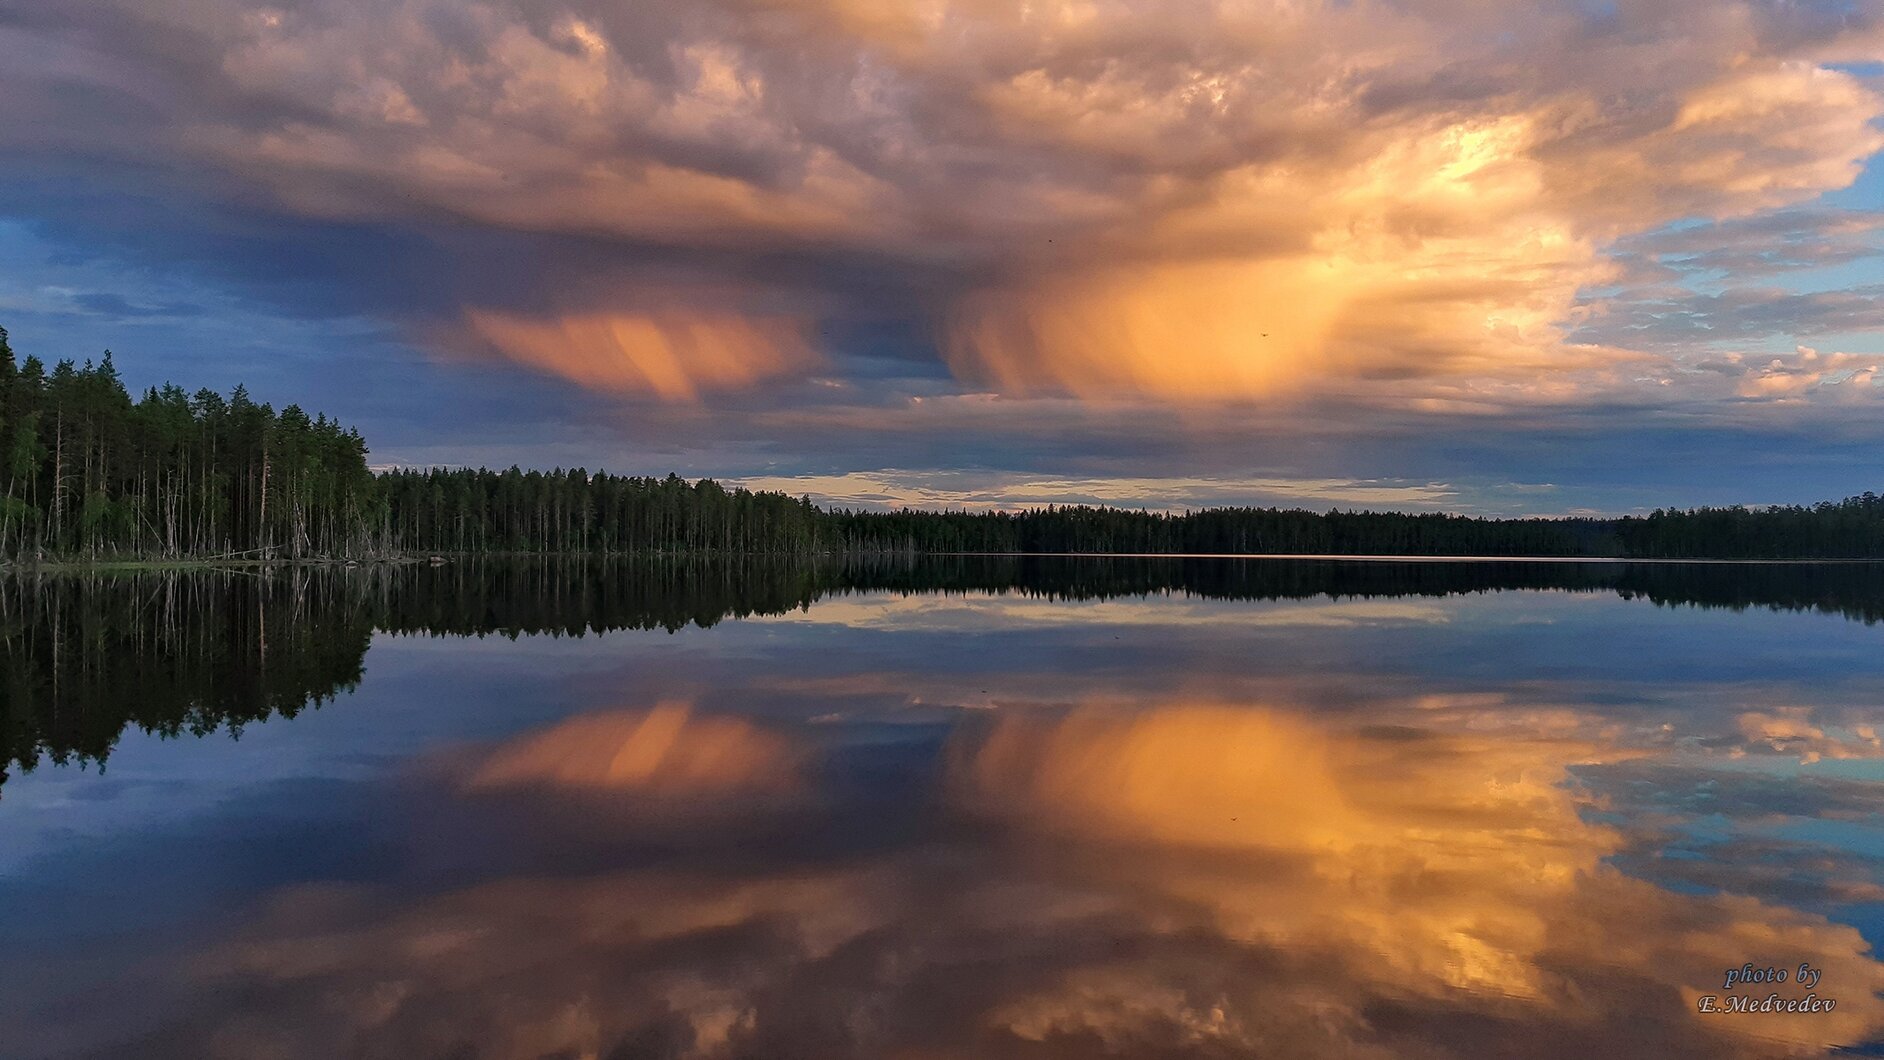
[1790,378]
[674,355]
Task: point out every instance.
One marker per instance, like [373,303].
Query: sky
[1429,254]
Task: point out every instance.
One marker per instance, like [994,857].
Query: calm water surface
[967,808]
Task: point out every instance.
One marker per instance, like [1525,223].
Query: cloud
[108,304]
[986,491]
[1763,244]
[1675,318]
[1844,376]
[1395,204]
[669,355]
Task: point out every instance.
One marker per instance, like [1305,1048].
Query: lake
[939,808]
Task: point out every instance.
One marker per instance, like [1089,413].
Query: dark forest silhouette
[86,472]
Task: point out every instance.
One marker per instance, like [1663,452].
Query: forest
[89,473]
[86,471]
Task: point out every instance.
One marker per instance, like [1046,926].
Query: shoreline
[180,564]
[1414,558]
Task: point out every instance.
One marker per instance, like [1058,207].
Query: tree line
[1851,528]
[87,471]
[462,510]
[1233,531]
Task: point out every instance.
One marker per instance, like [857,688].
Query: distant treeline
[86,471]
[1849,529]
[1244,531]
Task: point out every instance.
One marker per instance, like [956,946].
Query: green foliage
[463,510]
[86,471]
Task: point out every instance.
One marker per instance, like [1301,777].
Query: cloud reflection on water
[1422,878]
[665,750]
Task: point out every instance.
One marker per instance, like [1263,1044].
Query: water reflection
[990,825]
[1184,880]
[1436,859]
[668,750]
[82,658]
